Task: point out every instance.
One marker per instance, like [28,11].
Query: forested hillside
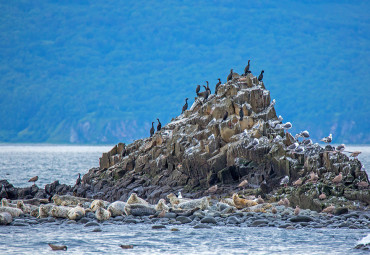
[101,71]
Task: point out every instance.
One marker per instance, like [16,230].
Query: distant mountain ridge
[91,72]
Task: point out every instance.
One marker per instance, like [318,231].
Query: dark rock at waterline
[301,218]
[158,226]
[183,219]
[201,225]
[208,220]
[341,210]
[365,247]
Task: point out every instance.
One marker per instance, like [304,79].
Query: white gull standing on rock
[253,143]
[285,181]
[341,147]
[293,146]
[327,139]
[287,125]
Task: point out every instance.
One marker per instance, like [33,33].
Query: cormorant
[185,107]
[197,89]
[230,76]
[206,95]
[260,77]
[217,85]
[246,69]
[241,113]
[152,130]
[225,116]
[78,181]
[208,88]
[159,126]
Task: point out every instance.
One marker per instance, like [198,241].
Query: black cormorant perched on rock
[230,76]
[246,69]
[185,107]
[78,181]
[260,77]
[159,126]
[208,88]
[241,113]
[197,89]
[152,130]
[217,85]
[225,116]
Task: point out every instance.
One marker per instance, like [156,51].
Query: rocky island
[229,158]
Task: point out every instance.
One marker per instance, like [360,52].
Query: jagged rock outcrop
[198,149]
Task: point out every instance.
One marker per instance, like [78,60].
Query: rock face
[198,149]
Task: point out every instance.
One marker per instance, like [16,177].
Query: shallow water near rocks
[218,240]
[18,163]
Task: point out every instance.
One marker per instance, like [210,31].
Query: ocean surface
[20,162]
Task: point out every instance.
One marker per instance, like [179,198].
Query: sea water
[18,163]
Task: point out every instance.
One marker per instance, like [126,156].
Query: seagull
[337,179]
[179,195]
[253,143]
[58,247]
[341,147]
[287,125]
[293,146]
[304,134]
[277,139]
[297,210]
[327,139]
[322,196]
[299,149]
[33,179]
[212,189]
[313,177]
[285,181]
[243,184]
[329,210]
[307,142]
[298,182]
[355,154]
[280,118]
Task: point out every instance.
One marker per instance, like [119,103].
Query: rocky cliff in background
[199,149]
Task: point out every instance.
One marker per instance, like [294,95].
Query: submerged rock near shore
[200,149]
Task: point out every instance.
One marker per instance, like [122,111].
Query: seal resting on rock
[134,199]
[162,205]
[68,200]
[201,203]
[14,212]
[59,211]
[76,213]
[44,210]
[5,218]
[241,203]
[101,214]
[117,208]
[25,208]
[96,204]
[139,210]
[176,200]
